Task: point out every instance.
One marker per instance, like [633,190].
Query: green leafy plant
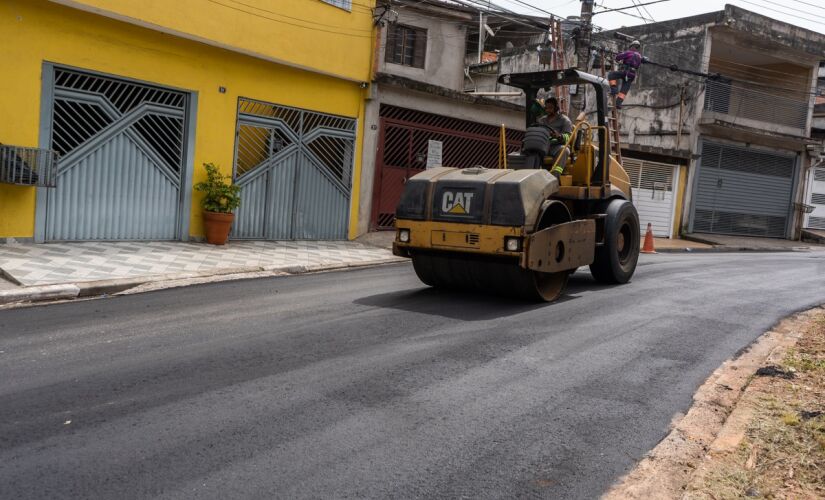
[221,195]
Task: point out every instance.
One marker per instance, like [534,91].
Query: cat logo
[456,203]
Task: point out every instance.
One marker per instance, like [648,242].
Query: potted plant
[220,200]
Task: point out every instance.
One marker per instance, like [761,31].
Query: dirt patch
[688,463]
[782,454]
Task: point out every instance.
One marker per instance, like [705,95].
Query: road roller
[518,230]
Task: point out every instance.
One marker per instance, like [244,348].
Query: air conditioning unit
[28,166]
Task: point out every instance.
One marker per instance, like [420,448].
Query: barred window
[344,4]
[406,45]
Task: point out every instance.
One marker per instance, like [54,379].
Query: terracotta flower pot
[217,226]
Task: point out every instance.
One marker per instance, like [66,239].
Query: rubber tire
[608,266]
[536,139]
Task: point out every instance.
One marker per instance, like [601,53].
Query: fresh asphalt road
[366,384]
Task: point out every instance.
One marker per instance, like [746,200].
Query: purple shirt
[631,60]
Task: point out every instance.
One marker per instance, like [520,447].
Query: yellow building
[135,95]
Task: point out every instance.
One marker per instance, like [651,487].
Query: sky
[808,14]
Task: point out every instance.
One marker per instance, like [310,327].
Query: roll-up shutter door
[816,219]
[743,191]
[653,186]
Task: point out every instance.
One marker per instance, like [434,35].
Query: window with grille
[406,45]
[344,4]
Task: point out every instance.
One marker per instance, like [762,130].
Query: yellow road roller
[520,231]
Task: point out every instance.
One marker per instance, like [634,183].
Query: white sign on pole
[433,153]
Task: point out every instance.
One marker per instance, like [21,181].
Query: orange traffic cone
[648,246]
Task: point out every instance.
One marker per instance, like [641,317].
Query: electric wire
[639,10]
[791,8]
[783,74]
[648,13]
[474,5]
[297,18]
[216,2]
[809,4]
[782,12]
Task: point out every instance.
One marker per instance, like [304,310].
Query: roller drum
[490,275]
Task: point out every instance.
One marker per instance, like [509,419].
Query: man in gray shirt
[560,128]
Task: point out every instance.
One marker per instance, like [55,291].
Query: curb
[68,291]
[39,293]
[729,249]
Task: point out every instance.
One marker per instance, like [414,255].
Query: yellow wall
[34,31]
[680,201]
[305,33]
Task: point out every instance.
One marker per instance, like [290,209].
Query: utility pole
[480,34]
[582,55]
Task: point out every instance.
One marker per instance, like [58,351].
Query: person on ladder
[560,128]
[630,61]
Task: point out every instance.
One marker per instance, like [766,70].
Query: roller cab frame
[519,230]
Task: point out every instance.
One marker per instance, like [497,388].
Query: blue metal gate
[122,147]
[295,171]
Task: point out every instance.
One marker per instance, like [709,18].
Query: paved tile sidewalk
[53,263]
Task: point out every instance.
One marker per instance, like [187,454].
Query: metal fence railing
[28,166]
[754,104]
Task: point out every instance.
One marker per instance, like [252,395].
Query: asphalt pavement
[367,384]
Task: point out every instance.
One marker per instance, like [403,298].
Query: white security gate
[295,171]
[743,191]
[654,187]
[122,147]
[816,219]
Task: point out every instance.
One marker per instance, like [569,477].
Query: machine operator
[560,128]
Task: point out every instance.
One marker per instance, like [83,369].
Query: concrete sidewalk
[67,270]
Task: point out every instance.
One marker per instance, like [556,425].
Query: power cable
[478,4]
[720,76]
[809,4]
[619,9]
[791,8]
[648,13]
[537,9]
[781,12]
[685,71]
[288,23]
[297,18]
[639,10]
[605,38]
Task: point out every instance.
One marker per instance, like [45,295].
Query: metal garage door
[402,152]
[654,186]
[816,219]
[743,191]
[295,172]
[122,147]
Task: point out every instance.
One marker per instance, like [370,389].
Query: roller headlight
[512,244]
